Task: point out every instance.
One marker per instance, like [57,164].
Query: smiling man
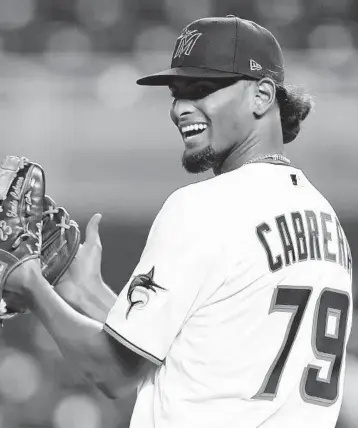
[242,297]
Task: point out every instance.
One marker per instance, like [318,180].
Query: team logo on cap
[139,290]
[185,42]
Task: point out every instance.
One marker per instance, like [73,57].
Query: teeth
[194,127]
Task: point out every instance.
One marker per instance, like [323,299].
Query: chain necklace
[275,157]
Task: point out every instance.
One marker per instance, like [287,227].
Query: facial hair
[202,160]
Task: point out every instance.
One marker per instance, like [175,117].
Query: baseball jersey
[243,299]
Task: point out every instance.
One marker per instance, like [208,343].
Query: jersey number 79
[327,346]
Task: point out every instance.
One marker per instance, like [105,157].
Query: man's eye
[194,92]
[204,90]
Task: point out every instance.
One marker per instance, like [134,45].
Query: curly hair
[294,106]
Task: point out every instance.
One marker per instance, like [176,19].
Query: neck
[265,140]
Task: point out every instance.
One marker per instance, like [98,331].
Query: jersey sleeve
[182,257]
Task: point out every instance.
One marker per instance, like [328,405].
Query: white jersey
[242,297]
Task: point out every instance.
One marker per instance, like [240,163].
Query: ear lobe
[265,96]
[258,106]
[261,106]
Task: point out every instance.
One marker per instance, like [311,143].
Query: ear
[265,96]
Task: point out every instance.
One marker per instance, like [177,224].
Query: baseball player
[241,303]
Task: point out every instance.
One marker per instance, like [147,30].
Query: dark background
[68,100]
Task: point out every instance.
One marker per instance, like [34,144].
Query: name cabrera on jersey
[306,235]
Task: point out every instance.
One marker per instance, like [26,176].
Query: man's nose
[180,109]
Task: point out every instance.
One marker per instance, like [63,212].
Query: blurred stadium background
[68,99]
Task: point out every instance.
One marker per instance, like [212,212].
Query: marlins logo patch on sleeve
[139,290]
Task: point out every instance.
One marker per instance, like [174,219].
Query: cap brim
[166,77]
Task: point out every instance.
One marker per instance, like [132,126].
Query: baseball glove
[22,190]
[60,241]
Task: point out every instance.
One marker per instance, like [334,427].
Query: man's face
[213,118]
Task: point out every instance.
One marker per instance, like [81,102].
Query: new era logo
[186,41]
[255,66]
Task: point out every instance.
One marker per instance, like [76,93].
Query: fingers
[92,233]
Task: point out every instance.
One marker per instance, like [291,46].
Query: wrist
[96,300]
[34,282]
[26,283]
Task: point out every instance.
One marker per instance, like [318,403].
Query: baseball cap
[224,47]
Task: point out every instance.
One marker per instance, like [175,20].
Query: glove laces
[63,225]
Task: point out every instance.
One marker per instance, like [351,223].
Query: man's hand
[82,286]
[84,274]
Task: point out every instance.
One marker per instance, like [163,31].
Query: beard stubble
[202,160]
